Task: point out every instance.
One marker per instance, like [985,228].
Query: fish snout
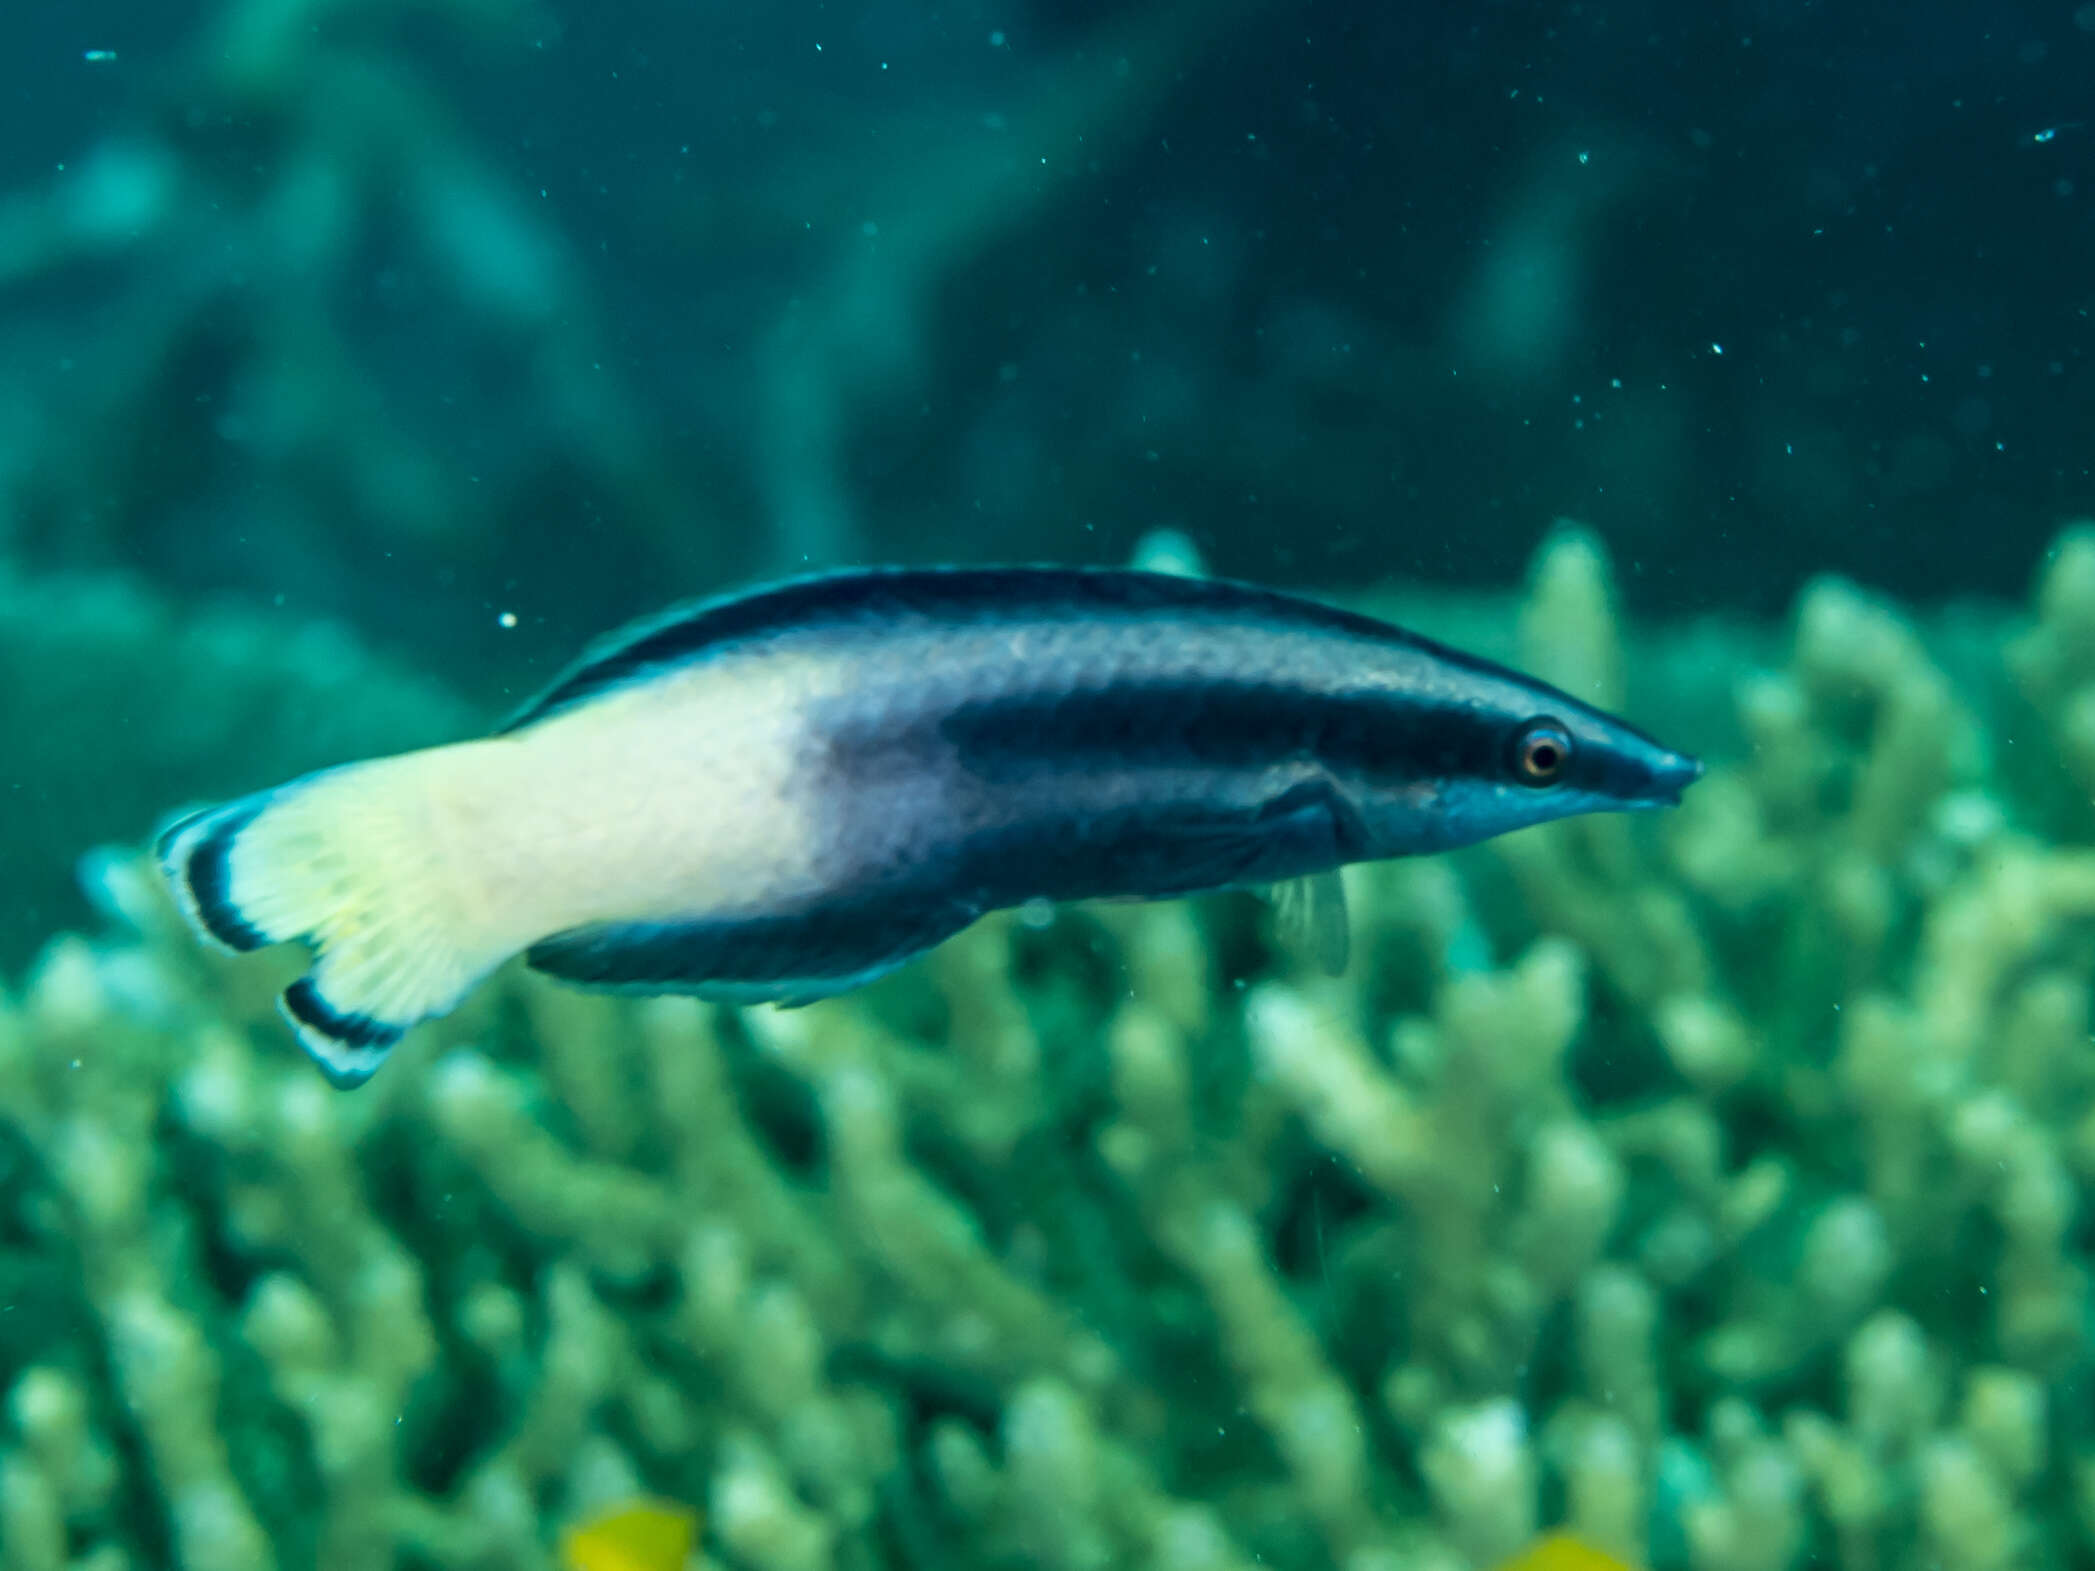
[1669,774]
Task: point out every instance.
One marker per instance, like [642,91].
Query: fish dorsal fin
[876,595]
[1310,915]
[699,628]
[694,627]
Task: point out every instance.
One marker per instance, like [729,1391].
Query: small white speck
[1585,158]
[1716,348]
[99,56]
[507,619]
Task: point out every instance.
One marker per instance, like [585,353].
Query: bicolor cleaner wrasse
[785,794]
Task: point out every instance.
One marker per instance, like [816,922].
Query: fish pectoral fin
[1310,916]
[786,960]
[1193,849]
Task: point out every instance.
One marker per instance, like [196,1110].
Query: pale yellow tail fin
[349,862]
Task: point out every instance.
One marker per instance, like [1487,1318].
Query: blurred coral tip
[639,1535]
[1562,1552]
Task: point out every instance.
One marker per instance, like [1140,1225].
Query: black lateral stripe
[956,596]
[1222,725]
[210,876]
[308,1008]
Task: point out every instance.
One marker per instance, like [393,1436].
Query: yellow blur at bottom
[657,1535]
[640,1535]
[1562,1552]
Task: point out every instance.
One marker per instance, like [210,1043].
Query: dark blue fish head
[1632,771]
[1497,751]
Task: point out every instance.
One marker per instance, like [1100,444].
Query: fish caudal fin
[348,862]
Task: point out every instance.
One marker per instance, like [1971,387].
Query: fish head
[1508,753]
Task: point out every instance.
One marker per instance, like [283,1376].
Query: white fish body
[782,795]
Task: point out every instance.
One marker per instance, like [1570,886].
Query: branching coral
[1711,1185]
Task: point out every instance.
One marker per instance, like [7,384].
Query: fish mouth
[1671,774]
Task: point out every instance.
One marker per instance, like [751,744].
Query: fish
[1563,1552]
[781,795]
[634,1535]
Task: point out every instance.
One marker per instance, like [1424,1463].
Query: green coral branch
[1713,1186]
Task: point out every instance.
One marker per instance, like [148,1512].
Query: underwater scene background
[1711,1184]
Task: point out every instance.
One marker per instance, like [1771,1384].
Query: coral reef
[1709,1183]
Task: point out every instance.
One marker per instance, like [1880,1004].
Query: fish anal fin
[786,960]
[1310,915]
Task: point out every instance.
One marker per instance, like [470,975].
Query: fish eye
[1541,753]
